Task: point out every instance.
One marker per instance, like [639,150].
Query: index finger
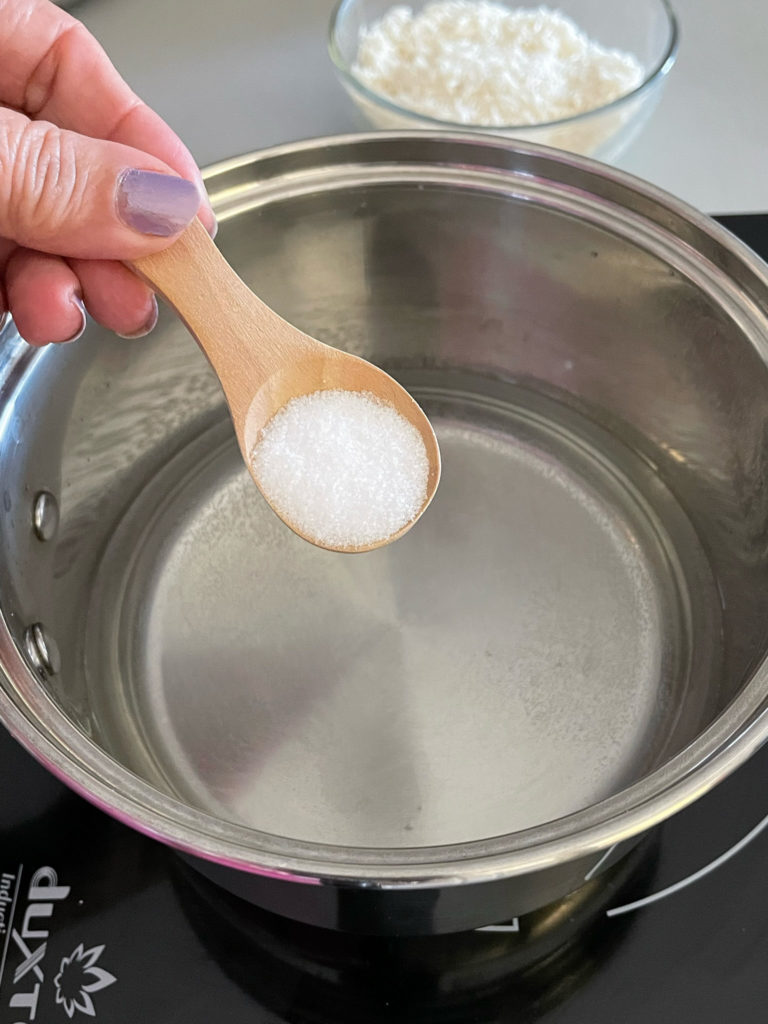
[54,69]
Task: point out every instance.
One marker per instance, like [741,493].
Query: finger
[44,298]
[116,297]
[49,58]
[143,129]
[67,194]
[6,248]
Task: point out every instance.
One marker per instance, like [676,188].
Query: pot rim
[38,724]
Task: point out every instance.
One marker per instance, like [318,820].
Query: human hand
[89,176]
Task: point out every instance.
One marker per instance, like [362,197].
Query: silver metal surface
[566,650]
[45,516]
[42,650]
[523,655]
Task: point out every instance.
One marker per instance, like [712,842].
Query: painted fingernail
[77,302]
[156,204]
[148,326]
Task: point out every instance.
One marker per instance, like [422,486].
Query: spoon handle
[238,333]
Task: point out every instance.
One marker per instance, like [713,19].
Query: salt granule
[343,467]
[480,63]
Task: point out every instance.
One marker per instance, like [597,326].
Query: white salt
[480,63]
[345,469]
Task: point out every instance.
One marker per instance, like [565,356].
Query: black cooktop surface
[99,923]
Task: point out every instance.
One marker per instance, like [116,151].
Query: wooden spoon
[262,361]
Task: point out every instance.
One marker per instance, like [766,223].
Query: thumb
[72,195]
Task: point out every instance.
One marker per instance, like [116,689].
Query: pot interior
[585,595]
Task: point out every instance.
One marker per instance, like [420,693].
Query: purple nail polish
[77,302]
[147,327]
[156,204]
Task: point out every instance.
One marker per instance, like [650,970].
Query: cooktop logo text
[25,926]
[7,889]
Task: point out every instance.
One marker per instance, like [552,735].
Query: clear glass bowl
[646,28]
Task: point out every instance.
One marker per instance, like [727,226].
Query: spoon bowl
[262,361]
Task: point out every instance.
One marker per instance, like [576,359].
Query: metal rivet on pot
[42,650]
[45,516]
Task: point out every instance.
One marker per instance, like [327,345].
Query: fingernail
[214,225]
[156,204]
[77,302]
[148,326]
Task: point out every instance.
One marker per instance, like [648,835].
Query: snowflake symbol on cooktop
[78,977]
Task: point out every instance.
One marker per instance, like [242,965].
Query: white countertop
[232,76]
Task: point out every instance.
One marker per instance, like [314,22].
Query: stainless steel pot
[566,650]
